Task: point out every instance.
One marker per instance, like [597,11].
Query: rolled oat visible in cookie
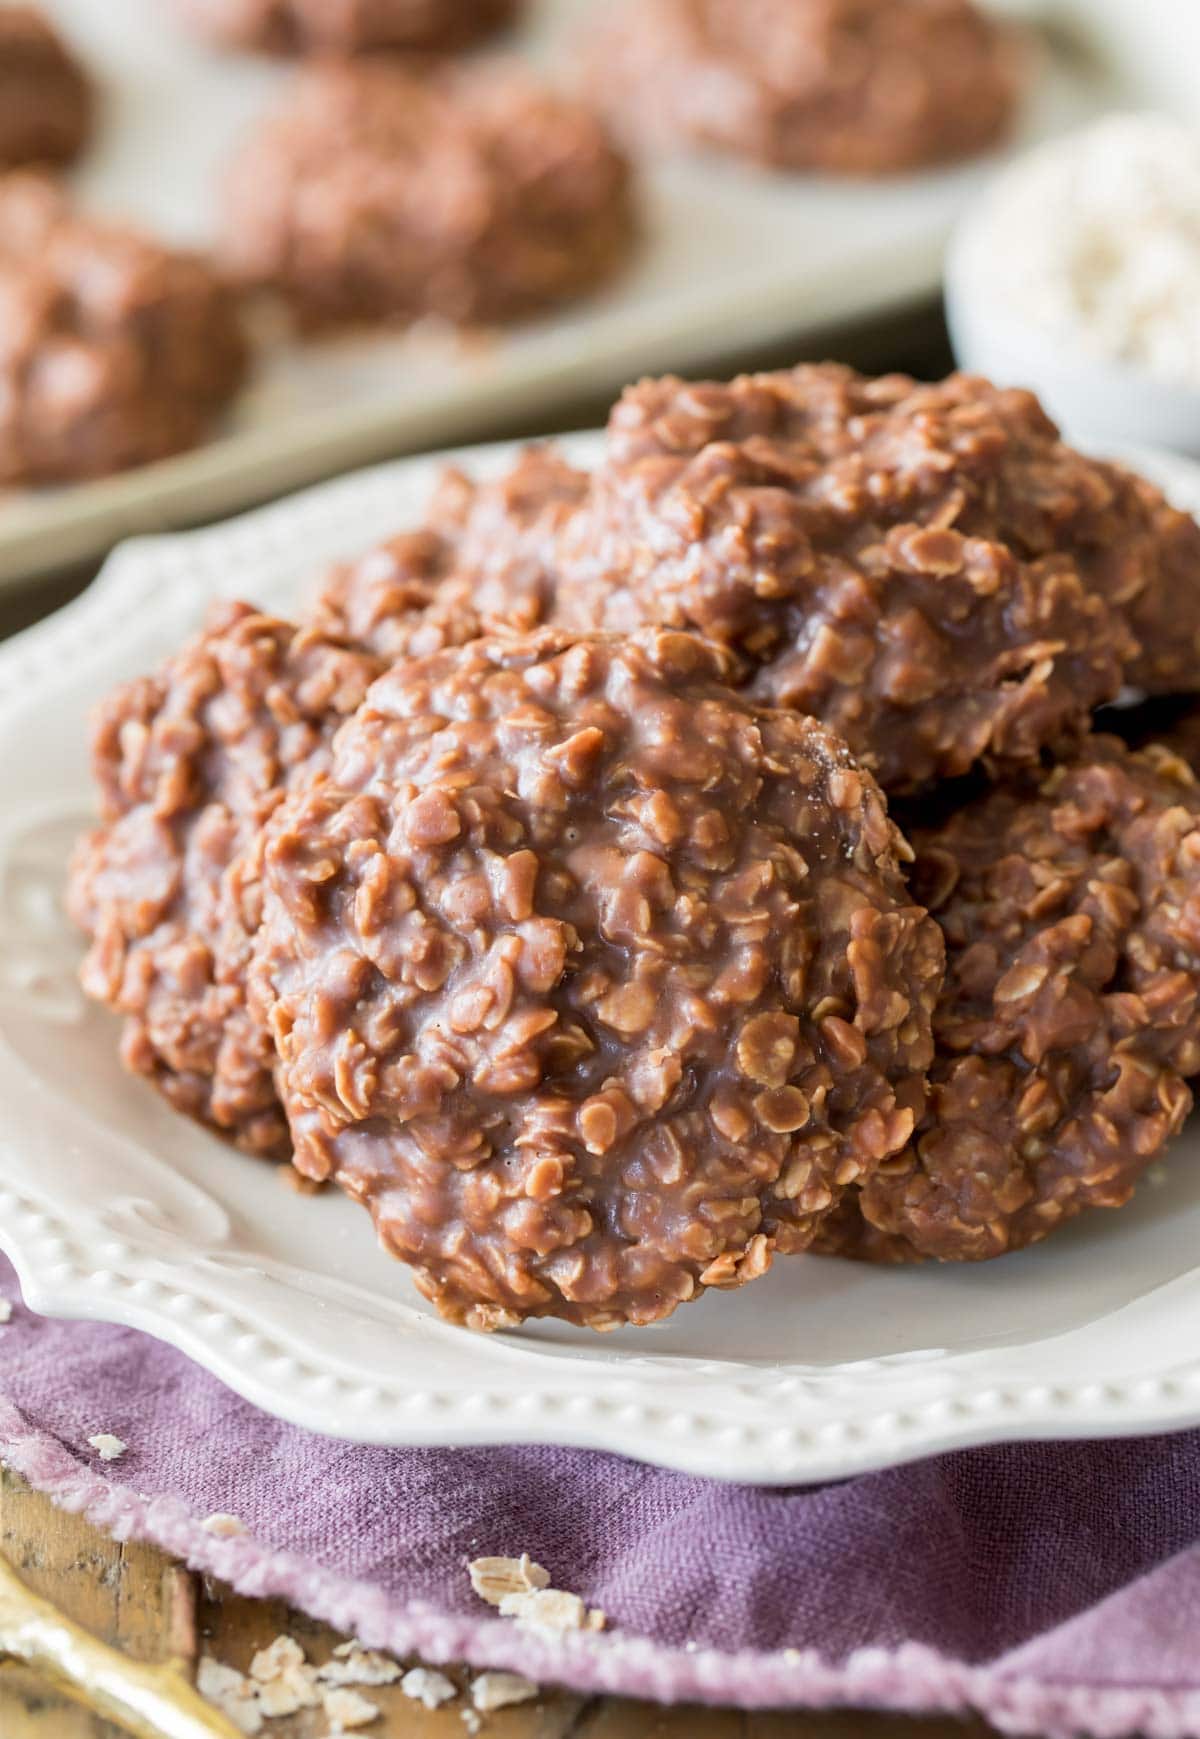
[1070,1017]
[596,982]
[856,87]
[484,557]
[189,763]
[45,96]
[114,349]
[467,193]
[926,569]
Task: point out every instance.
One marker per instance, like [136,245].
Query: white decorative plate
[114,1209]
[731,259]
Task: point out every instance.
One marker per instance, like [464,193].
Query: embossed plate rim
[770,1424]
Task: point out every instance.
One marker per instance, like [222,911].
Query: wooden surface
[130,1595]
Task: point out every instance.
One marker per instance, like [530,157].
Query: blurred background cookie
[472,193]
[115,350]
[349,26]
[856,87]
[45,95]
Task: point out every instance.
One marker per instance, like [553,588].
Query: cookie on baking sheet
[46,100]
[1070,1017]
[855,87]
[350,26]
[115,350]
[595,982]
[469,193]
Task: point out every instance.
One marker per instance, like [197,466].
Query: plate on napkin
[115,1209]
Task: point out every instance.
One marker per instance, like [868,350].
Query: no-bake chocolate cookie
[189,763]
[114,349]
[45,95]
[858,87]
[927,569]
[484,557]
[471,193]
[330,27]
[597,983]
[1070,1017]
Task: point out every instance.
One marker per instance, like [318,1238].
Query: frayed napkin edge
[910,1679]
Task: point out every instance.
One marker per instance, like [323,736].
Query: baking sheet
[732,256]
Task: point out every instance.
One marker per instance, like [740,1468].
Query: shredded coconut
[498,1690]
[107,1447]
[1096,239]
[424,1685]
[471,1720]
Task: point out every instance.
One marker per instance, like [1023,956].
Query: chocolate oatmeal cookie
[114,350]
[855,87]
[927,569]
[485,557]
[1070,1017]
[471,193]
[189,763]
[597,983]
[341,27]
[45,95]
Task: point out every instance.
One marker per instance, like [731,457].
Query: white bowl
[1098,403]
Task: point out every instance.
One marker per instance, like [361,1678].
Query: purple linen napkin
[1055,1588]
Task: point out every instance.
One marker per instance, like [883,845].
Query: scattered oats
[547,1608]
[346,1709]
[471,1721]
[223,1526]
[286,1681]
[6,1310]
[230,1692]
[494,1578]
[286,1696]
[354,1665]
[107,1447]
[521,1589]
[424,1685]
[497,1690]
[282,1656]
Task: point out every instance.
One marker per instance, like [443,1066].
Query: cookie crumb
[107,1447]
